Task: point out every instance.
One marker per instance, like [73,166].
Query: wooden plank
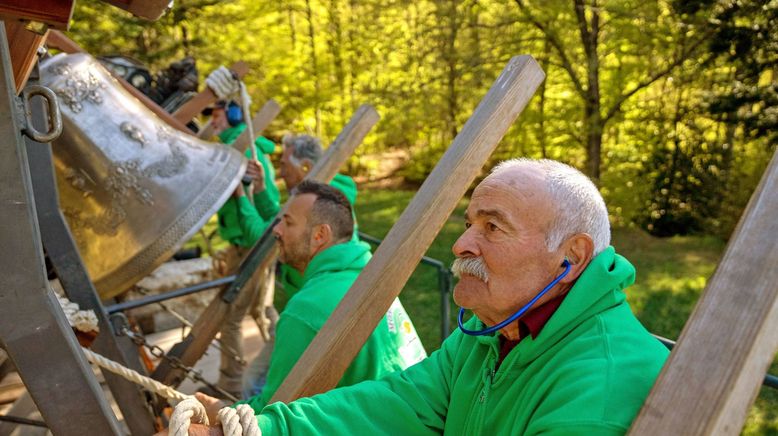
[208,323]
[714,372]
[329,354]
[206,97]
[261,120]
[58,40]
[54,13]
[148,9]
[24,47]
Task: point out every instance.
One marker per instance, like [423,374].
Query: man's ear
[578,250]
[306,165]
[321,238]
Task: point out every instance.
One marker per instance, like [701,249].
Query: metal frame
[33,328]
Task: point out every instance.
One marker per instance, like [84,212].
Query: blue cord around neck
[516,315]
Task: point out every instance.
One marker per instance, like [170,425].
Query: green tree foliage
[670,106]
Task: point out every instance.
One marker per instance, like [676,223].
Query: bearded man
[553,347]
[315,238]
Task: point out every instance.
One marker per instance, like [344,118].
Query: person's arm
[267,201]
[251,223]
[414,401]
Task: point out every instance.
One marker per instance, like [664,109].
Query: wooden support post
[334,347]
[206,97]
[53,13]
[261,120]
[148,9]
[59,41]
[24,46]
[716,368]
[209,322]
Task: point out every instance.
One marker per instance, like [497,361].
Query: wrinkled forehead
[518,194]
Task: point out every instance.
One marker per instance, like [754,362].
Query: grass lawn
[671,274]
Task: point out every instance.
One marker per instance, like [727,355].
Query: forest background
[670,106]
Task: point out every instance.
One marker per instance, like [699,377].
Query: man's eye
[467,225]
[492,227]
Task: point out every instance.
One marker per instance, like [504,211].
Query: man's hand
[198,430]
[239,191]
[257,174]
[212,405]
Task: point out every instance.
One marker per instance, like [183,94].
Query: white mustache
[473,266]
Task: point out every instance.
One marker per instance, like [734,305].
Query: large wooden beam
[53,13]
[715,370]
[209,322]
[261,120]
[329,354]
[148,9]
[58,40]
[206,97]
[24,46]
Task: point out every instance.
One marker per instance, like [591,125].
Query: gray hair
[303,147]
[580,207]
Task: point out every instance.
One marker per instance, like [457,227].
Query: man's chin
[468,291]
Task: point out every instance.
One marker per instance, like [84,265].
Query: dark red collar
[534,321]
[531,324]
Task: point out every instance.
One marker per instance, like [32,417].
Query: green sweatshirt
[393,345]
[290,278]
[266,203]
[588,372]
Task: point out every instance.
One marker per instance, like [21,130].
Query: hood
[351,255]
[347,186]
[230,134]
[265,145]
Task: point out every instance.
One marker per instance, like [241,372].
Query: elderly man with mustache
[553,348]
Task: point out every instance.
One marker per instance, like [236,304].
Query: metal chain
[217,343]
[191,373]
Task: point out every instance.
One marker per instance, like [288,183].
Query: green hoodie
[290,278]
[266,203]
[393,345]
[587,372]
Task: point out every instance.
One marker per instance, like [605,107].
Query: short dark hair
[331,207]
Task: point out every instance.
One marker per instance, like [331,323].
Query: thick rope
[234,422]
[245,103]
[188,411]
[134,376]
[238,422]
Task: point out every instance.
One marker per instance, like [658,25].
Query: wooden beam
[261,120]
[148,9]
[53,13]
[24,47]
[715,370]
[58,40]
[209,322]
[206,97]
[325,360]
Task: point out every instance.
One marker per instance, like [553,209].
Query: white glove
[222,82]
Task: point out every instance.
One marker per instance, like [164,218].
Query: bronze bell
[132,188]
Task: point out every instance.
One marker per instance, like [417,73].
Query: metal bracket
[55,120]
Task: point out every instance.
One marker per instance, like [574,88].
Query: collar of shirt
[531,324]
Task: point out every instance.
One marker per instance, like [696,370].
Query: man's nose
[277,230]
[466,245]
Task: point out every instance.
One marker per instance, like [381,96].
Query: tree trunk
[314,68]
[594,123]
